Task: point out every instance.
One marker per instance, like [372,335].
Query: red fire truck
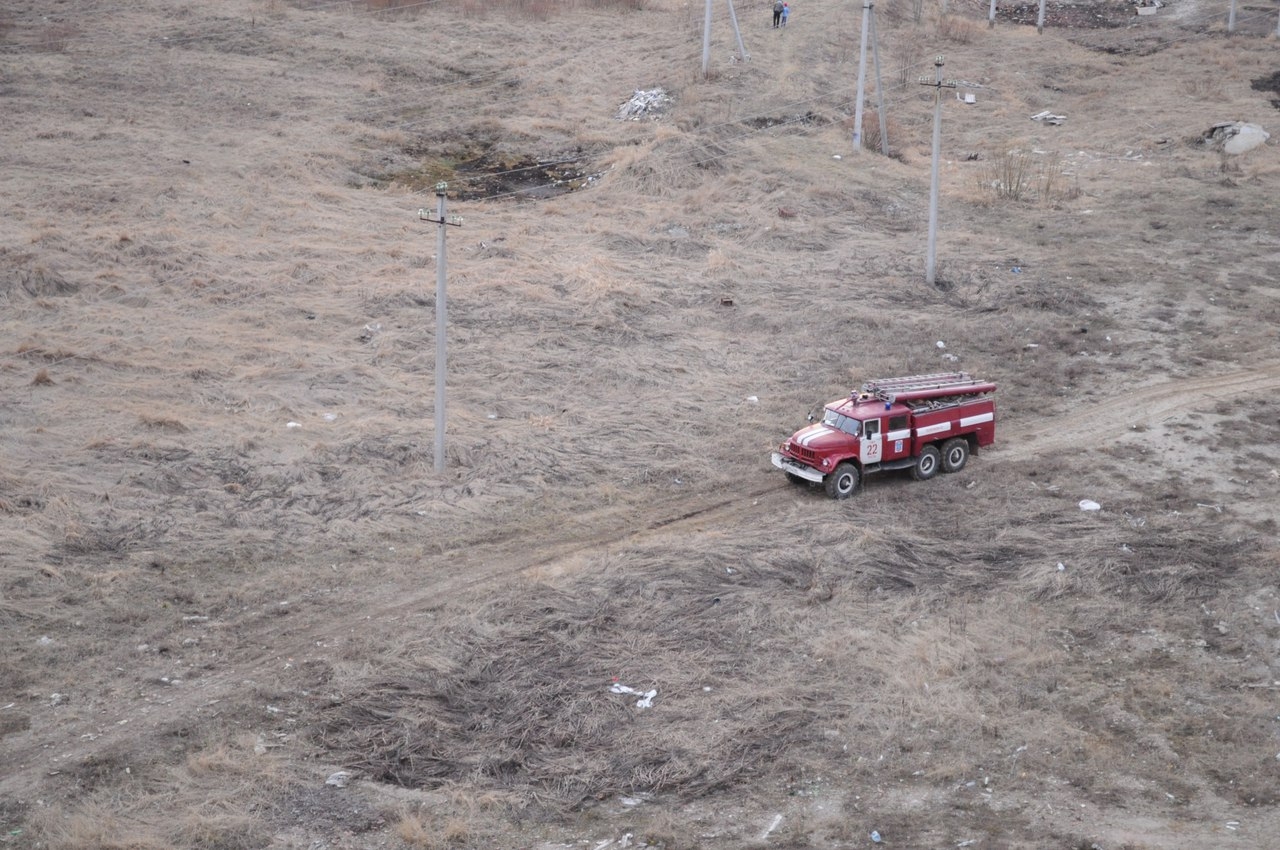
[924,423]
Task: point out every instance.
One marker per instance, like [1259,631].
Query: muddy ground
[241,609]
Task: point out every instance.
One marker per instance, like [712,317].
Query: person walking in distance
[786,13]
[777,13]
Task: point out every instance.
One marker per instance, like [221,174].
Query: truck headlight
[826,461]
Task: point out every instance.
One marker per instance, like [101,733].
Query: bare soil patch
[242,610]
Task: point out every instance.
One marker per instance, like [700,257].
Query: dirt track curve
[484,562]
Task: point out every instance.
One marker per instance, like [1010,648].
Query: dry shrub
[42,379]
[94,825]
[957,29]
[871,132]
[1018,176]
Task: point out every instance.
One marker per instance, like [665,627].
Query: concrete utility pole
[862,75]
[1040,19]
[1231,17]
[991,16]
[939,84]
[706,40]
[737,33]
[442,311]
[875,54]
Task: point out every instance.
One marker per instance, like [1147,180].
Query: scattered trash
[951,357]
[1061,567]
[940,344]
[339,779]
[195,618]
[1217,508]
[1089,505]
[1048,117]
[774,824]
[1232,825]
[967,97]
[875,836]
[835,156]
[651,104]
[59,699]
[1235,137]
[293,425]
[1032,345]
[1016,269]
[646,697]
[751,399]
[331,417]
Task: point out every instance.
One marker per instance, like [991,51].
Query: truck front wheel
[843,481]
[955,453]
[927,464]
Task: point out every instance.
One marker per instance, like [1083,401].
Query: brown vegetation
[229,570]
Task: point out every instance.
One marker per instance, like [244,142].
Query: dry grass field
[239,608]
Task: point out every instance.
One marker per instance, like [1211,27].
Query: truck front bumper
[796,468]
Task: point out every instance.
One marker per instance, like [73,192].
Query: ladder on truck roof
[915,387]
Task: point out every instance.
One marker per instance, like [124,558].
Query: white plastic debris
[339,779]
[645,104]
[1061,567]
[940,344]
[331,417]
[751,399]
[646,697]
[293,425]
[1048,117]
[875,836]
[836,156]
[1089,505]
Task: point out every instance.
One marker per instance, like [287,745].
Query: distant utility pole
[991,16]
[441,315]
[1231,17]
[869,22]
[706,40]
[1040,19]
[862,75]
[706,37]
[938,84]
[737,33]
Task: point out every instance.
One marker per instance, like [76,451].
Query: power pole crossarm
[441,314]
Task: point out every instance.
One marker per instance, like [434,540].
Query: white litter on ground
[652,104]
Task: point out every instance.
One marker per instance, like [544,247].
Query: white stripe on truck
[933,429]
[976,420]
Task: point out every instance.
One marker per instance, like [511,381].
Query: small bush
[1020,176]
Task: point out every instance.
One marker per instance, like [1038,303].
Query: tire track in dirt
[473,564]
[1104,421]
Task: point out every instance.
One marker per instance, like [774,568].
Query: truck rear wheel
[927,464]
[955,453]
[843,481]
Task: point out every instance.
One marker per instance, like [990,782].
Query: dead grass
[622,359]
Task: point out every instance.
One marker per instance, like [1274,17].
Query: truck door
[870,449]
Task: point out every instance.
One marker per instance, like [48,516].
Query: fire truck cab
[924,423]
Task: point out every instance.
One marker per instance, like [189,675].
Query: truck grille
[804,454]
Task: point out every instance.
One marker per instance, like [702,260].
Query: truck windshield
[841,422]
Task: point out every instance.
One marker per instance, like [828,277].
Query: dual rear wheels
[952,458]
